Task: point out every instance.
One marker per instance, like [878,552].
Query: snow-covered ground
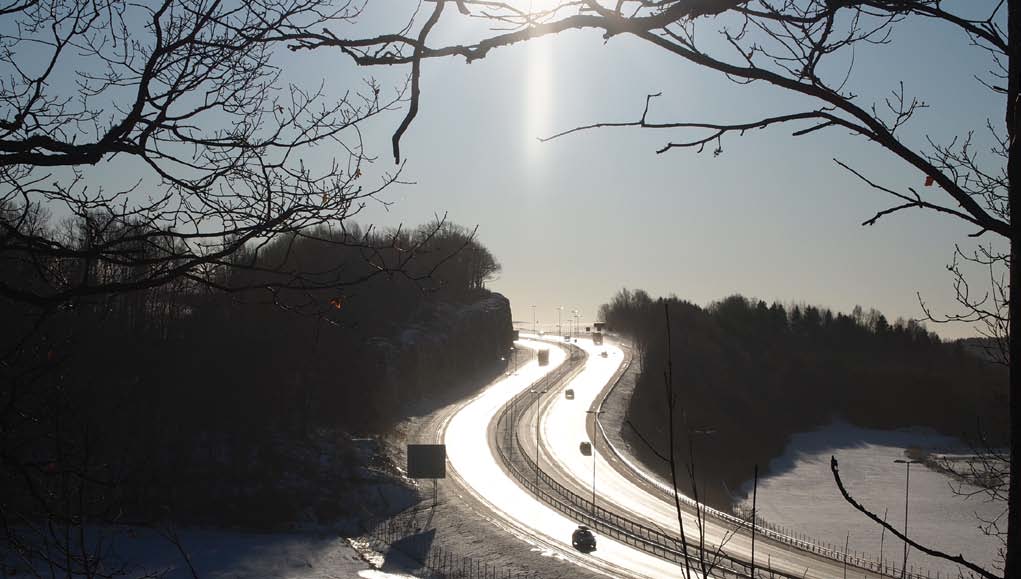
[799,493]
[216,554]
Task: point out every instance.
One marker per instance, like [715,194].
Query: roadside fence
[433,561]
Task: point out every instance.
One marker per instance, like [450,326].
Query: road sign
[427,461]
[544,357]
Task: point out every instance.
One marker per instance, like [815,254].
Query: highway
[473,461]
[563,424]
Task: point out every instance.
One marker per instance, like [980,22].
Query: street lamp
[538,394]
[560,331]
[533,318]
[595,436]
[907,481]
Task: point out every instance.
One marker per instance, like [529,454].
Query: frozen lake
[798,492]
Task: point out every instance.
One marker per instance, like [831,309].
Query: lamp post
[907,482]
[595,436]
[533,318]
[538,394]
[560,331]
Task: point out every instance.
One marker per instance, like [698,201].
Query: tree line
[748,374]
[188,401]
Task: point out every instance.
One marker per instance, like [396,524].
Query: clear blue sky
[575,219]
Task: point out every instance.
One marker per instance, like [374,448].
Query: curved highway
[566,423]
[563,425]
[475,464]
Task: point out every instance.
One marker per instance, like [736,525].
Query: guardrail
[641,536]
[766,529]
[546,488]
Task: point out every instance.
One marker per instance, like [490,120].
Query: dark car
[569,394]
[583,539]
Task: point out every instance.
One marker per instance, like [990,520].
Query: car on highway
[569,394]
[583,539]
[603,353]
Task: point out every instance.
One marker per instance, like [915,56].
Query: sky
[575,219]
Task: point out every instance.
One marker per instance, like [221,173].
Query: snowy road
[563,427]
[564,423]
[476,465]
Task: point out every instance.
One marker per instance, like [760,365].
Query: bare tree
[187,99]
[704,555]
[149,150]
[803,47]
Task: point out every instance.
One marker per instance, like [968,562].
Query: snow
[529,519]
[563,426]
[799,493]
[373,574]
[222,554]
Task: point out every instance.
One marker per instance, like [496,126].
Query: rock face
[447,351]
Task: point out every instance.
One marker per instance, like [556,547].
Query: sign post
[427,461]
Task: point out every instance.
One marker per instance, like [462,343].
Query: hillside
[244,407]
[747,375]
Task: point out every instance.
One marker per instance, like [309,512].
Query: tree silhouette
[154,155]
[802,47]
[188,99]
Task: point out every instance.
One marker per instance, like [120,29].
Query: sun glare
[538,96]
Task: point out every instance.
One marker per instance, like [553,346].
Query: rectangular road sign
[427,461]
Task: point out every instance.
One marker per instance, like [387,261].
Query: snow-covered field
[799,493]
